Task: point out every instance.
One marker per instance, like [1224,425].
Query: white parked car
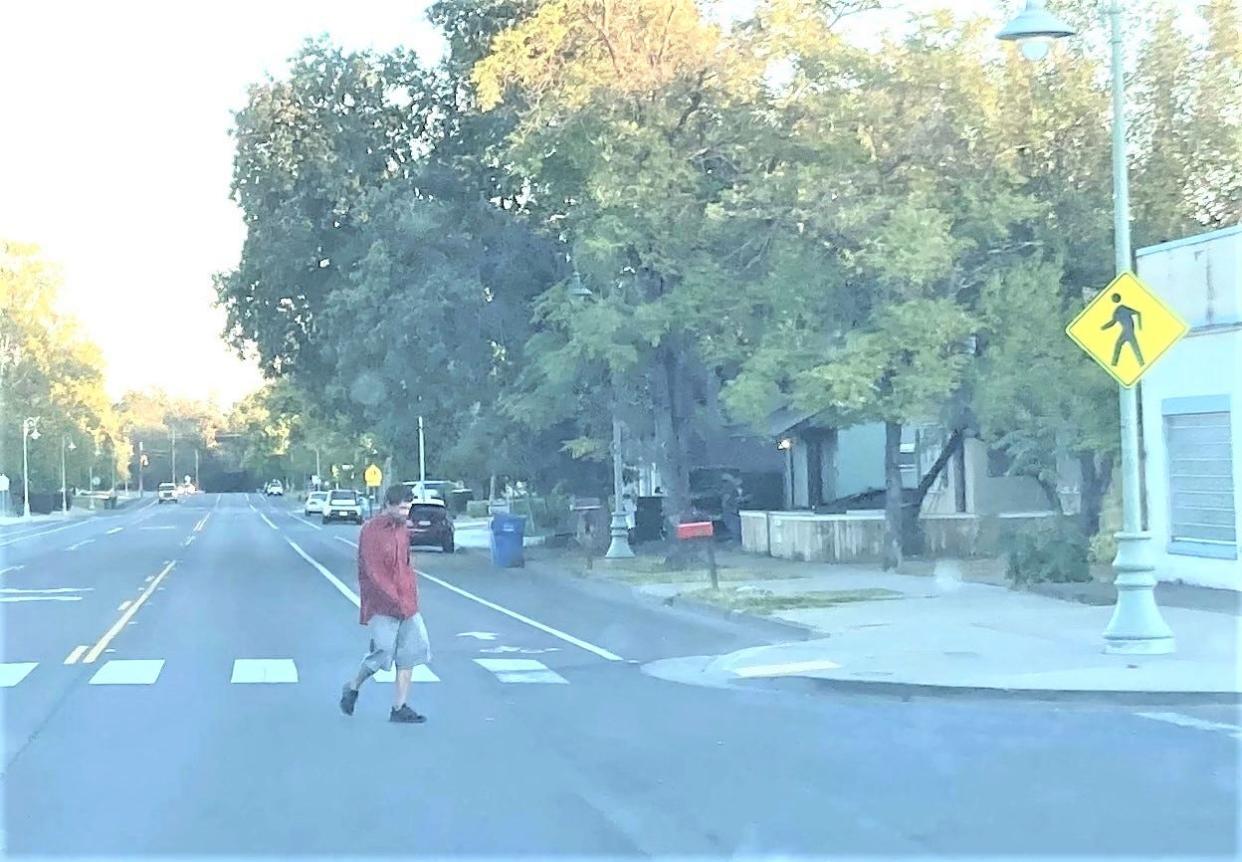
[275,489]
[315,503]
[343,506]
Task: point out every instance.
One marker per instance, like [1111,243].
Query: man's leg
[402,691]
[412,648]
[383,645]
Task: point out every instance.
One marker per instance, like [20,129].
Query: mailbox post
[702,530]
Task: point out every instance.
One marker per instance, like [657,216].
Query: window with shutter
[1200,462]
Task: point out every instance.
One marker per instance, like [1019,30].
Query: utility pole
[174,455]
[141,454]
[422,458]
[197,486]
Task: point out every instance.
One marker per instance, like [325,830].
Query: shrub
[1057,555]
[476,509]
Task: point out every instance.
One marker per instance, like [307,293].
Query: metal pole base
[619,547]
[1137,628]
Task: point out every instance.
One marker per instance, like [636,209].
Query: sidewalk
[938,630]
[79,509]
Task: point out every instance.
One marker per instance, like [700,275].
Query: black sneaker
[405,715]
[349,696]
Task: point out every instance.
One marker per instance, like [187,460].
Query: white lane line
[333,579]
[8,569]
[521,670]
[128,614]
[123,605]
[189,540]
[304,521]
[1195,723]
[198,528]
[161,527]
[115,530]
[522,618]
[346,541]
[120,671]
[24,536]
[8,599]
[77,545]
[268,521]
[219,497]
[50,591]
[420,673]
[11,673]
[264,670]
[76,654]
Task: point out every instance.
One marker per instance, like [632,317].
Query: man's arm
[1110,324]
[1138,320]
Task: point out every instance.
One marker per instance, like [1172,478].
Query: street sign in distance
[373,476]
[1126,328]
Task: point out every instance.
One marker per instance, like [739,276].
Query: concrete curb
[908,690]
[709,609]
[612,590]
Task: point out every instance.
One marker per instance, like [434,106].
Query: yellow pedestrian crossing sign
[1126,328]
[373,476]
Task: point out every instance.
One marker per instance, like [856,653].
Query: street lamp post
[65,443]
[30,431]
[1136,626]
[619,546]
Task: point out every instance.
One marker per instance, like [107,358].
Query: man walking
[389,608]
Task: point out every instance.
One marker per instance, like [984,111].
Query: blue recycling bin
[507,535]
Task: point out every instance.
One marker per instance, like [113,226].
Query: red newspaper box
[695,530]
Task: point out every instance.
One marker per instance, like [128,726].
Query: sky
[116,158]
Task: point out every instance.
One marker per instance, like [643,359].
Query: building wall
[860,458]
[993,495]
[1201,279]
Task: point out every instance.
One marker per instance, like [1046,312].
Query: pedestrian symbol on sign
[1129,320]
[1126,328]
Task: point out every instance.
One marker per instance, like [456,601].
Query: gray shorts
[404,641]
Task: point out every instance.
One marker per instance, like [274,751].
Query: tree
[49,370]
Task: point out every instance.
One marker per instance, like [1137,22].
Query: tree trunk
[670,447]
[893,514]
[952,445]
[1051,493]
[1095,481]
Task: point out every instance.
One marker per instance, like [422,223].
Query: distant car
[430,525]
[315,502]
[167,493]
[432,489]
[342,506]
[275,489]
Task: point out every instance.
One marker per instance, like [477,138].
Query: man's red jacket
[386,582]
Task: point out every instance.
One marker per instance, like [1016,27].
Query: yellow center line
[198,528]
[127,615]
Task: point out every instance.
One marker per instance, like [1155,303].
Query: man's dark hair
[394,495]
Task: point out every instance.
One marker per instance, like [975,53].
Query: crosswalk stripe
[422,673]
[119,671]
[11,673]
[274,671]
[521,670]
[264,670]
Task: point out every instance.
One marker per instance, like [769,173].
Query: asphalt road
[130,728]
